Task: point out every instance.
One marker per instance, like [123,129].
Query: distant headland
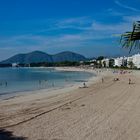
[39,57]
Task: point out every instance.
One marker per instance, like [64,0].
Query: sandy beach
[103,111]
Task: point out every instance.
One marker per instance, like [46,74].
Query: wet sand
[103,111]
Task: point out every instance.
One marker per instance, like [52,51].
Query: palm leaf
[131,40]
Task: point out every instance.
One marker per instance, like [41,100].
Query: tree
[99,61]
[111,62]
[100,58]
[131,39]
[104,64]
[131,64]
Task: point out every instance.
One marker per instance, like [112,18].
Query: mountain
[67,56]
[38,56]
[33,57]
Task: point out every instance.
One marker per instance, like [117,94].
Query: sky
[89,27]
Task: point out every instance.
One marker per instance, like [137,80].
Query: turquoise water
[13,80]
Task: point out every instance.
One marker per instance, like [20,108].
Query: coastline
[30,96]
[45,113]
[40,95]
[99,75]
[67,87]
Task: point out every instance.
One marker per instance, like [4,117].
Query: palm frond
[131,40]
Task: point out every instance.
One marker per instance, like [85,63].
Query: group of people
[42,82]
[117,79]
[3,84]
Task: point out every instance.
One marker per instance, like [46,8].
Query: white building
[105,62]
[93,60]
[124,61]
[14,64]
[136,60]
[118,61]
[129,59]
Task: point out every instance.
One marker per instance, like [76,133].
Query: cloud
[88,25]
[79,23]
[90,32]
[131,18]
[43,42]
[111,28]
[113,12]
[75,20]
[126,7]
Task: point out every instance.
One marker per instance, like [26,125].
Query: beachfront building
[15,65]
[124,61]
[130,62]
[136,60]
[93,60]
[118,61]
[105,62]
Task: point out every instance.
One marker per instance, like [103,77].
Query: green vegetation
[5,65]
[111,63]
[100,58]
[49,64]
[131,64]
[131,39]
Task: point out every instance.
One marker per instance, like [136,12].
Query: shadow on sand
[7,135]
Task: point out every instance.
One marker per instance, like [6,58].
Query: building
[118,61]
[124,61]
[129,62]
[136,60]
[15,65]
[105,62]
[93,60]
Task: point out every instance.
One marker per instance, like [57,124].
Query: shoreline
[73,112]
[52,91]
[70,86]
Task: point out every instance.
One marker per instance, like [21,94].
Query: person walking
[102,80]
[129,81]
[6,83]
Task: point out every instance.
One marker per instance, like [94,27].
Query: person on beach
[102,80]
[39,82]
[6,84]
[52,84]
[129,81]
[116,79]
[84,85]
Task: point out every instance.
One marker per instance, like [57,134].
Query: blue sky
[88,27]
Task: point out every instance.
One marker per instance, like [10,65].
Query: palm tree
[131,64]
[131,40]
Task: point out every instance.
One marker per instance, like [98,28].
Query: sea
[14,81]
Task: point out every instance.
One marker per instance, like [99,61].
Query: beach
[106,110]
[18,81]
